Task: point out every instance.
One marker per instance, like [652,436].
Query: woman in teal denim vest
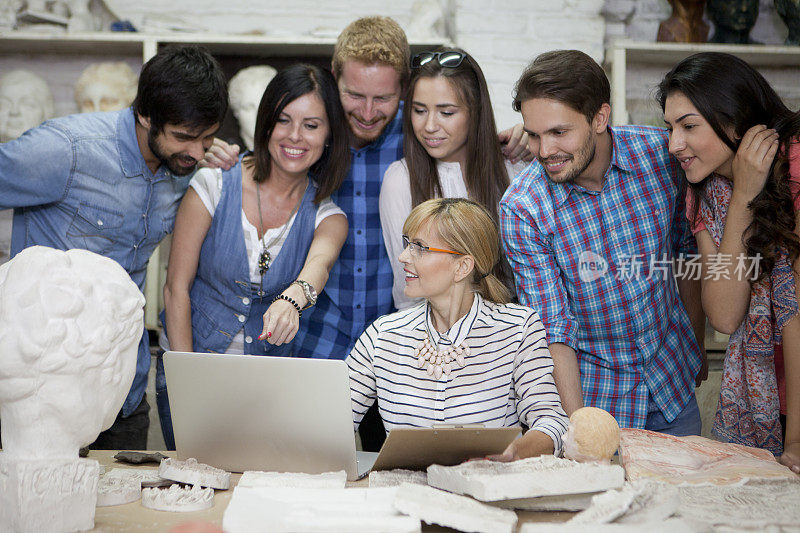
[253,245]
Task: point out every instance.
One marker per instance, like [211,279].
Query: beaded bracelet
[291,301]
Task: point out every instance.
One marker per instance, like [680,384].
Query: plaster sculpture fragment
[194,473]
[635,503]
[147,477]
[647,454]
[47,495]
[178,499]
[561,502]
[245,90]
[427,20]
[592,435]
[107,86]
[398,476]
[117,491]
[80,18]
[527,478]
[442,508]
[277,510]
[25,101]
[328,480]
[70,325]
[757,505]
[672,525]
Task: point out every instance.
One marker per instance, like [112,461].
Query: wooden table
[133,517]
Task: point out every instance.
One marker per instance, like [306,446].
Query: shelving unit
[60,58]
[620,55]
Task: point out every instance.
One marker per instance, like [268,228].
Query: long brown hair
[288,85]
[485,174]
[733,96]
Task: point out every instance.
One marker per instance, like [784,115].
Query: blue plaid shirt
[359,289]
[597,267]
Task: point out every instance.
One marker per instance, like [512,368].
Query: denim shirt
[81,182]
[222,296]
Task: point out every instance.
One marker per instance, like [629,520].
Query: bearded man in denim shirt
[112,182]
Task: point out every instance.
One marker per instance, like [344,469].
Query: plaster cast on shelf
[117,491]
[194,473]
[245,91]
[327,480]
[527,478]
[25,102]
[435,506]
[427,20]
[107,86]
[592,435]
[178,499]
[81,18]
[70,326]
[278,510]
[392,478]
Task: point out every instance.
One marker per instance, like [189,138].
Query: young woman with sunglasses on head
[253,245]
[451,150]
[738,144]
[466,355]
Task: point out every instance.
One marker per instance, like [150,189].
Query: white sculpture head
[244,93]
[109,86]
[70,326]
[592,435]
[25,102]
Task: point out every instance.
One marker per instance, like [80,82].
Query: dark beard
[171,161]
[578,171]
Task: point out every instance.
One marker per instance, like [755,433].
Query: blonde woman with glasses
[464,355]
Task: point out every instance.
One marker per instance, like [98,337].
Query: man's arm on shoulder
[539,286]
[35,169]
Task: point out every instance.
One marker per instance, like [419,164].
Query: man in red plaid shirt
[591,229]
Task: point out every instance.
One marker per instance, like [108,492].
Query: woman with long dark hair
[253,245]
[738,145]
[451,150]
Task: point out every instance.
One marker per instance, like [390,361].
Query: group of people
[533,270]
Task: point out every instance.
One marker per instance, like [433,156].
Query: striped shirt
[597,266]
[506,379]
[359,287]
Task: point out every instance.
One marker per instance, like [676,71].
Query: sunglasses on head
[450,59]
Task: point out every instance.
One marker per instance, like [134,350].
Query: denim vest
[222,296]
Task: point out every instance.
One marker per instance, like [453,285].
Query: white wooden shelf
[621,54]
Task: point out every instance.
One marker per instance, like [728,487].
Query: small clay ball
[592,435]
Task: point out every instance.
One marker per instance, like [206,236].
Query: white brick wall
[505,36]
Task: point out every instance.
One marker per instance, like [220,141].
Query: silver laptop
[278,414]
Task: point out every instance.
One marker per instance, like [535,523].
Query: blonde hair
[373,40]
[468,228]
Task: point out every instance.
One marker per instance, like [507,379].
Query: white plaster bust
[25,102]
[70,325]
[244,93]
[108,86]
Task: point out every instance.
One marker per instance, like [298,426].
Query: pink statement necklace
[439,361]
